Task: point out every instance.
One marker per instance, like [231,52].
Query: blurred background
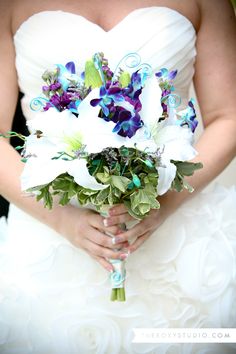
[226,178]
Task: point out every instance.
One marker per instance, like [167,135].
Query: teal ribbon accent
[118,276]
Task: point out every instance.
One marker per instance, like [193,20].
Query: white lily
[59,130]
[41,170]
[151,103]
[175,143]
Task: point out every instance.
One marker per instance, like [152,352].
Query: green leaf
[64,200]
[177,184]
[188,187]
[117,192]
[102,196]
[142,202]
[120,182]
[186,168]
[103,177]
[46,195]
[110,197]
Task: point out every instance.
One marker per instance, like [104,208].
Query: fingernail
[116,240]
[112,211]
[124,256]
[130,249]
[109,269]
[126,251]
[105,222]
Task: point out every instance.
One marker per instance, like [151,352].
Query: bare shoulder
[215,73]
[217,12]
[218,25]
[6,13]
[19,10]
[8,10]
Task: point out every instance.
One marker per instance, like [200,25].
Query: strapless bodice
[161,36]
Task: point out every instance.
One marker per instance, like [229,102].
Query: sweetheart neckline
[118,24]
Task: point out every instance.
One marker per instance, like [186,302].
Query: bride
[181,268]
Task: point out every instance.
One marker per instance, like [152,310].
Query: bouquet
[103,137]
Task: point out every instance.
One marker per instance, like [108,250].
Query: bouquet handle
[117,277]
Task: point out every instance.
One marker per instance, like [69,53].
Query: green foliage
[45,195]
[184,168]
[125,171]
[131,178]
[11,134]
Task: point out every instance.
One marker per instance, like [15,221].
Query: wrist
[171,201]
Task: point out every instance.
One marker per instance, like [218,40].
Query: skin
[214,81]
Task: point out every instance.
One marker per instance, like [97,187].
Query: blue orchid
[108,96]
[165,74]
[67,74]
[188,116]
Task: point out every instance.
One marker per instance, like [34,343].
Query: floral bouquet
[103,137]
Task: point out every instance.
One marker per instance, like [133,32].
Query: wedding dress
[54,298]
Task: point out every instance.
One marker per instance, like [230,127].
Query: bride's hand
[141,231]
[86,229]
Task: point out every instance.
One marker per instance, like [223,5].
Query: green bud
[92,76]
[136,181]
[124,79]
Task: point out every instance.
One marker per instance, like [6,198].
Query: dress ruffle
[55,298]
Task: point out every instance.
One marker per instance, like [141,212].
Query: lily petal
[40,171]
[166,177]
[79,171]
[176,142]
[151,103]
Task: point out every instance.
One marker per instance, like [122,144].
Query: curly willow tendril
[131,61]
[172,100]
[38,103]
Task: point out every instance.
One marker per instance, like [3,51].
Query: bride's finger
[139,241]
[117,210]
[112,230]
[100,251]
[104,263]
[135,232]
[112,225]
[117,219]
[101,238]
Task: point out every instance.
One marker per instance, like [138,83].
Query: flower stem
[114,294]
[118,294]
[121,294]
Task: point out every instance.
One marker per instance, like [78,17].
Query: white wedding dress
[53,297]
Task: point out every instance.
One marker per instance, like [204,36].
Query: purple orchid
[64,101]
[112,95]
[108,96]
[127,124]
[166,75]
